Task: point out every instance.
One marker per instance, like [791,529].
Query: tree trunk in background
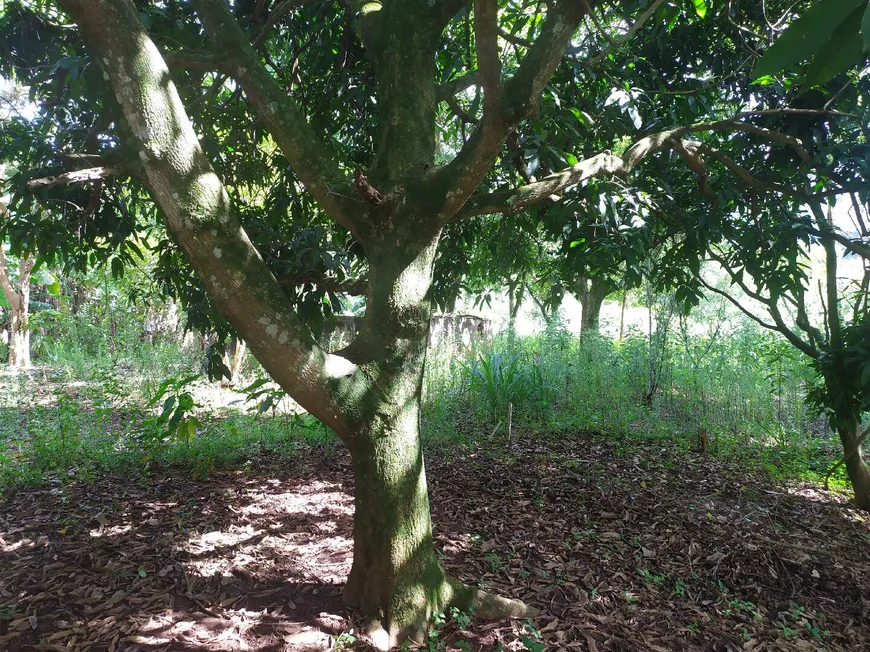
[591,292]
[17,293]
[622,315]
[516,291]
[238,361]
[234,359]
[840,387]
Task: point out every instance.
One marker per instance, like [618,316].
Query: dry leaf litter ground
[621,551]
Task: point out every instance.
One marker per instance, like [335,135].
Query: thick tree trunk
[590,315]
[591,294]
[849,428]
[370,392]
[396,582]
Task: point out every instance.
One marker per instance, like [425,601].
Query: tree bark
[396,581]
[848,426]
[369,393]
[18,295]
[591,292]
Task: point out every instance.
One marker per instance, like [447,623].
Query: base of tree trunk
[848,427]
[387,633]
[859,475]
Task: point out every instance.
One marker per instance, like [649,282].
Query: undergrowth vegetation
[740,395]
[135,405]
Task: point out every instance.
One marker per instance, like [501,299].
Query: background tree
[15,281]
[836,343]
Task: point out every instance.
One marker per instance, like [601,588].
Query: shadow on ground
[622,548]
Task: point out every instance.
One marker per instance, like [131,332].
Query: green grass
[61,432]
[71,423]
[745,390]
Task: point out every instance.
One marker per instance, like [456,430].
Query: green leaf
[168,405]
[865,28]
[190,428]
[806,35]
[844,50]
[700,8]
[117,268]
[583,118]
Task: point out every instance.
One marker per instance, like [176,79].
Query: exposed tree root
[487,606]
[386,634]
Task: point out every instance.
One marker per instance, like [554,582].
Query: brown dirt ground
[640,550]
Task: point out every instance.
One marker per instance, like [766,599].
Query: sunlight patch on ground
[307,527]
[110,531]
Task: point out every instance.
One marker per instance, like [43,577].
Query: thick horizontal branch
[511,201]
[76,176]
[856,247]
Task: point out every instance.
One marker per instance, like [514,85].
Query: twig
[510,416]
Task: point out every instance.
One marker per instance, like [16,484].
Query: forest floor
[622,545]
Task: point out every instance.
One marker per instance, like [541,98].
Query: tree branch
[511,201]
[514,39]
[274,17]
[76,176]
[354,287]
[488,63]
[770,303]
[856,247]
[461,113]
[737,304]
[202,61]
[461,177]
[458,84]
[615,44]
[306,152]
[199,215]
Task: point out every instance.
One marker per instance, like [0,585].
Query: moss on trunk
[396,582]
[848,427]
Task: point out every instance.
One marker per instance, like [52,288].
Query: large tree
[373,131]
